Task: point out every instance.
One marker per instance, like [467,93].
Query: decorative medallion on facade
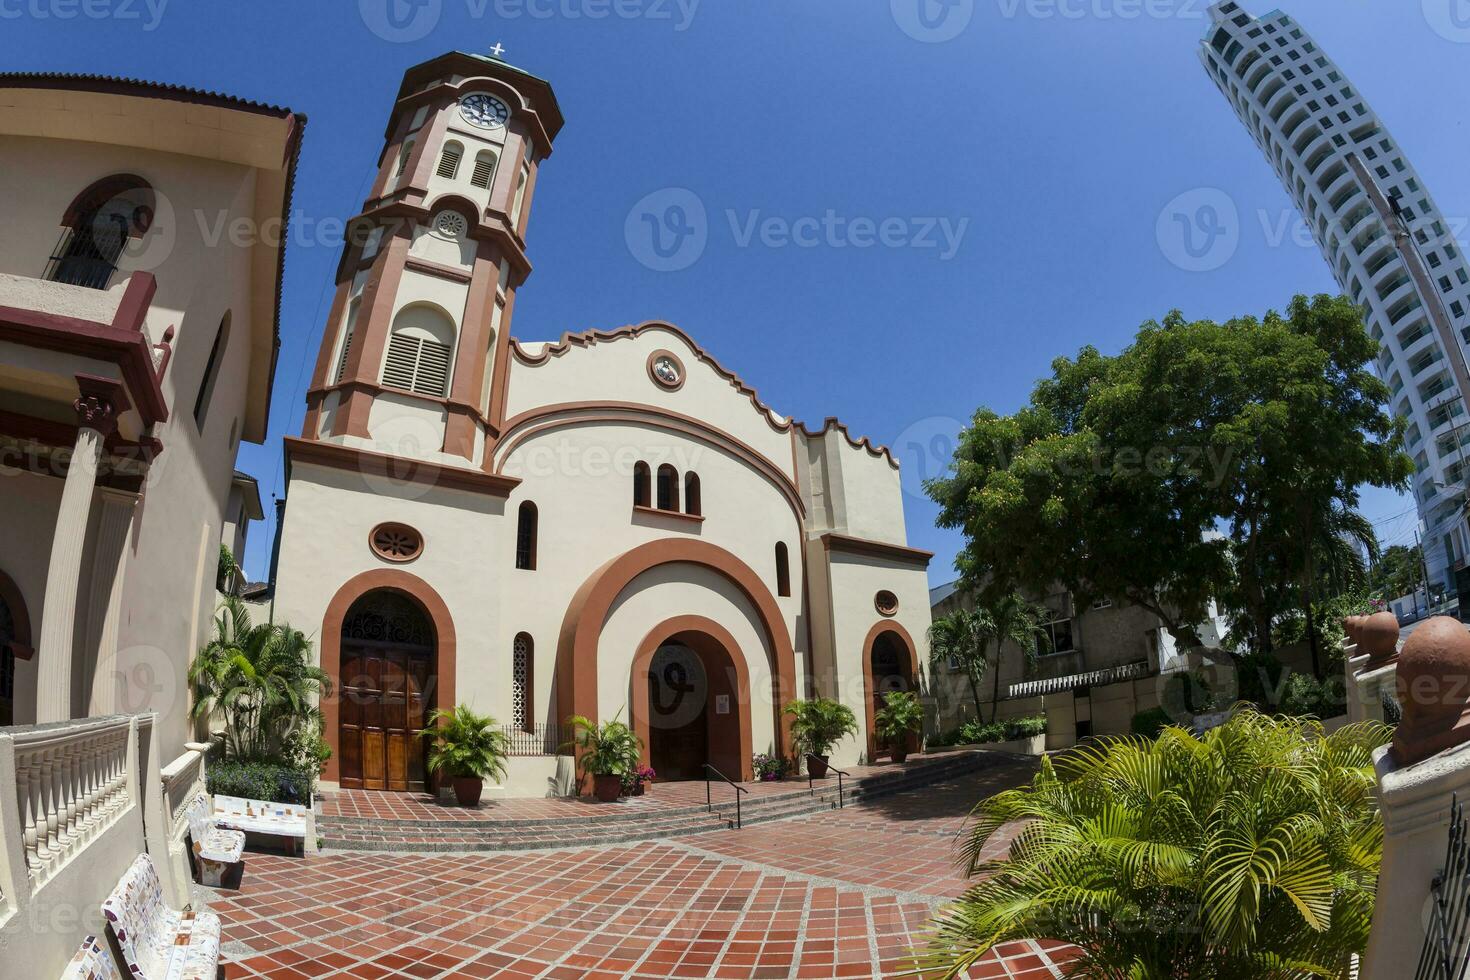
[450,224]
[666,370]
[397,542]
[886,603]
[484,111]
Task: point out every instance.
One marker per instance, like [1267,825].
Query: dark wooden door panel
[384,705]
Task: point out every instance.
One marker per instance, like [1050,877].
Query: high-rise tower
[1308,119]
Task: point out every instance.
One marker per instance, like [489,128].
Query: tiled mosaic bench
[93,962]
[215,847]
[259,817]
[156,942]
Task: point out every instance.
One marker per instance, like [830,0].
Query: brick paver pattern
[841,894]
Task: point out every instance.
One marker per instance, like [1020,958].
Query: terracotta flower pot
[900,754]
[467,790]
[817,766]
[607,789]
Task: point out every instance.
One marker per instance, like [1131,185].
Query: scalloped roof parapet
[781,423]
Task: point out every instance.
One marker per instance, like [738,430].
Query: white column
[97,409]
[109,565]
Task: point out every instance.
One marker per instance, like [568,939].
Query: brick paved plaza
[841,893]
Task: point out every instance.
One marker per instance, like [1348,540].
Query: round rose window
[397,542]
[886,603]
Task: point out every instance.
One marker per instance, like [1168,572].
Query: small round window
[397,542]
[666,370]
[451,224]
[886,603]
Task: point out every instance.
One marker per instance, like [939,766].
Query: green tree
[1399,572]
[261,679]
[956,638]
[968,636]
[1199,463]
[1252,851]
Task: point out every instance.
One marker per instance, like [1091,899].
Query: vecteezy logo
[1199,230]
[1450,19]
[668,230]
[401,21]
[933,21]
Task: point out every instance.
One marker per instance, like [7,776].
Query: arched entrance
[888,666]
[387,677]
[690,701]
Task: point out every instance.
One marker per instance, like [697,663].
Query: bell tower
[414,352]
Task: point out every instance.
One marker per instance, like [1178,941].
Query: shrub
[609,749]
[1028,727]
[260,779]
[983,733]
[1151,723]
[901,714]
[1304,695]
[820,724]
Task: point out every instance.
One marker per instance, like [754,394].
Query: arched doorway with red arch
[388,644]
[889,664]
[690,701]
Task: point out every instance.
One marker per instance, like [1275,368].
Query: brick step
[507,840]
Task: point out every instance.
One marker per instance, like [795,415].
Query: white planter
[1035,745]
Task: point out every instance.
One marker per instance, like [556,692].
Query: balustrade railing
[182,780]
[71,784]
[538,740]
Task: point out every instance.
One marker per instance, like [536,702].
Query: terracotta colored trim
[678,366]
[63,435]
[479,79]
[501,379]
[491,227]
[471,347]
[678,515]
[707,632]
[100,402]
[374,321]
[591,338]
[437,270]
[331,645]
[846,544]
[122,342]
[20,644]
[321,376]
[395,526]
[887,626]
[428,143]
[549,417]
[104,190]
[883,605]
[581,630]
[380,466]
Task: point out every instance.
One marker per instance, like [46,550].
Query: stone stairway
[637,819]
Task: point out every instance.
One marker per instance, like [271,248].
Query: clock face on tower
[484,111]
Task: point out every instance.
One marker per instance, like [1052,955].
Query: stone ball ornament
[1433,679]
[1352,627]
[1378,637]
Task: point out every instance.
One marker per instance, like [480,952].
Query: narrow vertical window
[403,156]
[526,537]
[520,199]
[641,481]
[347,331]
[783,570]
[449,160]
[668,488]
[522,676]
[692,503]
[484,172]
[211,373]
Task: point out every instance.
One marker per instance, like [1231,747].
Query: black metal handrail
[739,791]
[840,774]
[1446,950]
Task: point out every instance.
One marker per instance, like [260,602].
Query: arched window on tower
[526,537]
[668,488]
[692,504]
[96,228]
[522,679]
[783,570]
[403,155]
[420,349]
[484,172]
[449,159]
[641,481]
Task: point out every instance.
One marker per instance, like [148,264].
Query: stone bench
[285,820]
[215,848]
[93,962]
[156,942]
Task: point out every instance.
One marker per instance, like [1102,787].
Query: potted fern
[818,725]
[469,748]
[609,752]
[902,715]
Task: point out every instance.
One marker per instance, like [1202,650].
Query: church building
[612,524]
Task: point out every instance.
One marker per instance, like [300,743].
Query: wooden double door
[385,703]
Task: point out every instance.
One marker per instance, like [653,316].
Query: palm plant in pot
[818,725]
[609,752]
[902,715]
[469,748]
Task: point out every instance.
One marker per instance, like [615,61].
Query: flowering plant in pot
[609,752]
[469,748]
[769,768]
[902,715]
[818,725]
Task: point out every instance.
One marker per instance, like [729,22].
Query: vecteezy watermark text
[148,12]
[405,21]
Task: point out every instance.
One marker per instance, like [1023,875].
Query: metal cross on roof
[498,50]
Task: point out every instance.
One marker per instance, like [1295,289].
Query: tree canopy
[1205,461]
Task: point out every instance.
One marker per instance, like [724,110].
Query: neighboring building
[1301,110]
[611,524]
[135,353]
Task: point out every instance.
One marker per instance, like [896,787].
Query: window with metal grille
[526,537]
[417,364]
[520,682]
[449,160]
[484,171]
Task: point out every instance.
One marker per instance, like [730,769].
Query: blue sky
[1046,136]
